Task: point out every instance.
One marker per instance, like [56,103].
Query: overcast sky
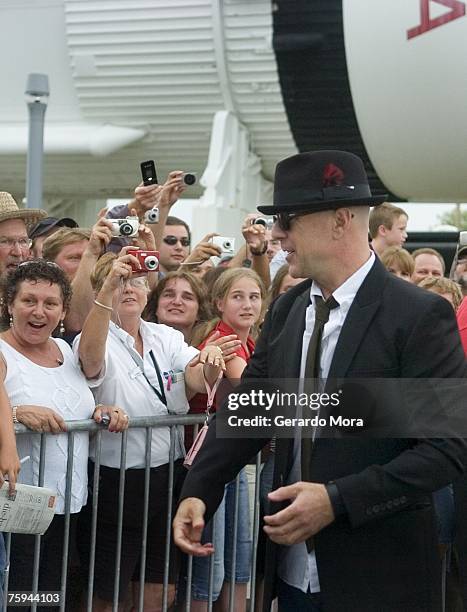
[425,217]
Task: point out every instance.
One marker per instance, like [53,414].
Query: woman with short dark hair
[46,388]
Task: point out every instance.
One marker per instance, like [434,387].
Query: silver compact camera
[266,222]
[152,215]
[225,243]
[125,227]
[189,178]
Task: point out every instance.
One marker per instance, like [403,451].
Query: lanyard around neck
[160,393]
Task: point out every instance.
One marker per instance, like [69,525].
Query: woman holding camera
[152,371]
[46,387]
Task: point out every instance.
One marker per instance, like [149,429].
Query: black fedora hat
[320,180]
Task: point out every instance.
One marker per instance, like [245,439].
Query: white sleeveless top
[64,389]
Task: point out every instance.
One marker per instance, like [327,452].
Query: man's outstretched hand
[188,527]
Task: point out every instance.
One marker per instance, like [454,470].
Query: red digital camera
[149,260]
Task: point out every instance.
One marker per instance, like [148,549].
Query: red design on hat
[332,175]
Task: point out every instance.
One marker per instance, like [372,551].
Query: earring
[61,331]
[11,320]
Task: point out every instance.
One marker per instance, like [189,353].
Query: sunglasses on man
[284,220]
[172,241]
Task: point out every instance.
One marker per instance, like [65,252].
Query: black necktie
[322,311]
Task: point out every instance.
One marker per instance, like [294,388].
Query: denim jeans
[223,544]
[265,483]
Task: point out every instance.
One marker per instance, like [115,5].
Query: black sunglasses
[172,241]
[284,220]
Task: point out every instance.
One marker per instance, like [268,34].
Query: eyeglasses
[138,283]
[284,220]
[172,241]
[10,243]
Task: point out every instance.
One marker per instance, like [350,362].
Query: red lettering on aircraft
[457,10]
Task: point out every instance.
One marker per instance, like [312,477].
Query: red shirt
[226,330]
[462,322]
[198,402]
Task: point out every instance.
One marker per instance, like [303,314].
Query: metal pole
[37,93]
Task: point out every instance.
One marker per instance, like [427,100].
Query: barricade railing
[147,423]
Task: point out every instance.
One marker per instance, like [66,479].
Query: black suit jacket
[382,554]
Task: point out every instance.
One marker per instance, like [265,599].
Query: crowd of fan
[111,355]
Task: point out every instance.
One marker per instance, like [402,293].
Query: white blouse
[123,384]
[64,389]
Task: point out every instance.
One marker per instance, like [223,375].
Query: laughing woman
[46,387]
[152,371]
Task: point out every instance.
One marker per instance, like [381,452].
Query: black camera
[267,223]
[148,172]
[189,178]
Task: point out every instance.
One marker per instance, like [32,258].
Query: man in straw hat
[15,244]
[351,526]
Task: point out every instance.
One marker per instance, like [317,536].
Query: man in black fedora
[352,528]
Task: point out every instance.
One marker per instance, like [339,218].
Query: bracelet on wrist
[109,308]
[14,415]
[259,252]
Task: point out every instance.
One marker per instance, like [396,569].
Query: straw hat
[9,210]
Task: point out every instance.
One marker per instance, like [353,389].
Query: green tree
[455,216]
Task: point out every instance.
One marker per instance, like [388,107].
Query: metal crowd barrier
[148,423]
